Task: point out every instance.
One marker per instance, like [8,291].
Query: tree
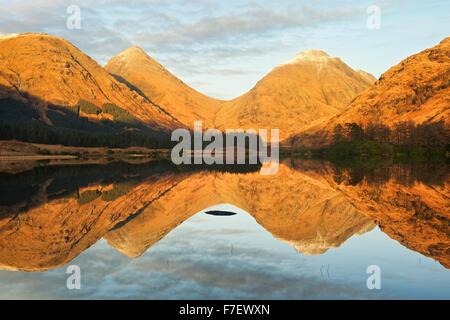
[338,134]
[354,131]
[377,132]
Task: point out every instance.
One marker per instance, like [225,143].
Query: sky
[222,48]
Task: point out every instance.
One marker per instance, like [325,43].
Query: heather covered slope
[311,87]
[46,78]
[148,77]
[53,77]
[416,90]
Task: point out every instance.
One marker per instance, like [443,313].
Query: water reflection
[51,214]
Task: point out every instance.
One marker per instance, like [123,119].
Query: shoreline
[36,157]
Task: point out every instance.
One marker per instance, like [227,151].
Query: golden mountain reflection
[50,214]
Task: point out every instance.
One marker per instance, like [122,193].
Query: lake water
[141,230]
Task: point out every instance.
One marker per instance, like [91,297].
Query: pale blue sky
[222,48]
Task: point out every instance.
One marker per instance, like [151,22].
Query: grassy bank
[11,149]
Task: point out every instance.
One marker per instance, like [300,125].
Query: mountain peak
[313,54]
[310,55]
[8,36]
[133,52]
[135,56]
[140,71]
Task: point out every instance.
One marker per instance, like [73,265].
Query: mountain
[294,95]
[56,83]
[311,86]
[148,77]
[417,89]
[368,76]
[45,79]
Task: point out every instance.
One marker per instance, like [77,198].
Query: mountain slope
[308,88]
[142,73]
[42,71]
[369,77]
[63,85]
[417,90]
[312,86]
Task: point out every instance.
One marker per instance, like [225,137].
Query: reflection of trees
[404,174]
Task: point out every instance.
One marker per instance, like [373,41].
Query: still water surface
[141,231]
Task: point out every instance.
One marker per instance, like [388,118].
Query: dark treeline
[406,174]
[404,133]
[432,174]
[37,132]
[405,141]
[20,121]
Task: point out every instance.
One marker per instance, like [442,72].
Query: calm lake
[152,230]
